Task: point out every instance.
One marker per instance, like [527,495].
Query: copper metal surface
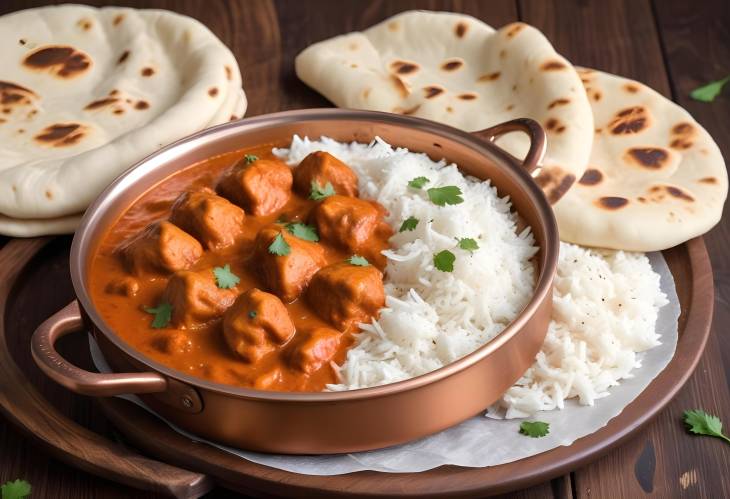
[320,423]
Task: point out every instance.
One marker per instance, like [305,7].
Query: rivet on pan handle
[43,348]
[538,140]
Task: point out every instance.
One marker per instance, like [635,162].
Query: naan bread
[455,69]
[655,177]
[85,93]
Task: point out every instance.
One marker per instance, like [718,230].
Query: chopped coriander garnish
[162,313]
[279,246]
[16,489]
[409,223]
[701,423]
[418,182]
[318,192]
[707,93]
[534,429]
[224,278]
[448,194]
[444,261]
[250,158]
[252,314]
[468,244]
[358,260]
[303,231]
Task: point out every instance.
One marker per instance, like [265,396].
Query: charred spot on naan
[708,180]
[682,135]
[85,24]
[229,72]
[467,96]
[123,57]
[559,102]
[118,19]
[432,91]
[100,103]
[460,29]
[652,158]
[611,202]
[631,88]
[213,91]
[552,65]
[489,77]
[592,176]
[147,71]
[511,30]
[61,134]
[452,64]
[554,125]
[141,105]
[13,95]
[630,121]
[404,67]
[658,193]
[554,182]
[62,61]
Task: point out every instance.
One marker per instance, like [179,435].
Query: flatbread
[15,227]
[455,69]
[655,177]
[85,93]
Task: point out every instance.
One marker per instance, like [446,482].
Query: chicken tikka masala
[245,271]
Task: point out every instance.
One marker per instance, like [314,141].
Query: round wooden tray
[34,283]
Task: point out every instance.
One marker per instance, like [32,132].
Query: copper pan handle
[534,131]
[43,348]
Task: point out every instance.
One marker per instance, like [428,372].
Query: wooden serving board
[34,278]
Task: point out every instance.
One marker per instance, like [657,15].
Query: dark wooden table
[671,45]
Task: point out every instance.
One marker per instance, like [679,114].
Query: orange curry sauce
[202,350]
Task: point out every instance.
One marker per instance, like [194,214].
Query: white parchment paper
[481,441]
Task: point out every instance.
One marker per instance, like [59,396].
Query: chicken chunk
[256,324]
[211,219]
[317,349]
[124,286]
[287,275]
[161,248]
[349,222]
[261,187]
[321,167]
[195,298]
[344,294]
[173,343]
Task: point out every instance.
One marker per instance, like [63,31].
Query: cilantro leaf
[534,429]
[15,489]
[318,192]
[444,261]
[448,194]
[224,278]
[409,223]
[418,182]
[252,314]
[707,93]
[279,246]
[468,244]
[303,231]
[358,260]
[250,158]
[701,423]
[162,313]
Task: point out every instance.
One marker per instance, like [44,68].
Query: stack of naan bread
[626,168]
[85,93]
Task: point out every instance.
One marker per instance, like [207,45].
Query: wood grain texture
[626,37]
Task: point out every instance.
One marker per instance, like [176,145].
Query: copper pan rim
[80,249]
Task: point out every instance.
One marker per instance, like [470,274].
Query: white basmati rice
[605,308]
[605,303]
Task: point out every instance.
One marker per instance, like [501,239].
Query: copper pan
[316,423]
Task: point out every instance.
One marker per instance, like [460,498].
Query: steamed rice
[605,303]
